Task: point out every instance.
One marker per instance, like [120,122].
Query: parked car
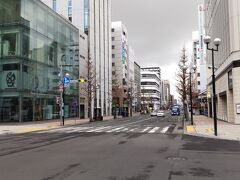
[160,114]
[175,111]
[154,113]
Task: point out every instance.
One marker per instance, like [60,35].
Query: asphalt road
[138,148]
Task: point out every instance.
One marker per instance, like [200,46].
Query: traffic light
[82,80]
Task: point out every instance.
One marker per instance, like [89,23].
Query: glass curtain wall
[34,43]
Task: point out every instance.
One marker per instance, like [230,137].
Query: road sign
[74,81]
[66,80]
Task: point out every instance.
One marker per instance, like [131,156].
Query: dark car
[175,111]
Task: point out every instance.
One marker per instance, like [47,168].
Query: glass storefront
[34,42]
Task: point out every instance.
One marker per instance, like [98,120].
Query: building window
[199,83]
[113,29]
[70,10]
[113,64]
[230,80]
[10,44]
[113,55]
[54,5]
[198,74]
[113,73]
[113,47]
[113,38]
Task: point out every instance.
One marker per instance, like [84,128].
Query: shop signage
[11,79]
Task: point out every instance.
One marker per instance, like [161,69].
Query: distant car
[175,111]
[154,113]
[160,114]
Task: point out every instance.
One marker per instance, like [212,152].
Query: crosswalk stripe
[146,129]
[103,129]
[164,130]
[154,130]
[93,130]
[132,129]
[116,129]
[122,130]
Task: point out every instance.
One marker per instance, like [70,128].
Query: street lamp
[190,78]
[217,42]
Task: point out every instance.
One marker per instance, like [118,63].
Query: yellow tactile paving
[191,129]
[32,129]
[209,130]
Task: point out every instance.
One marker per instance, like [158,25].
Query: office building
[150,88]
[222,21]
[94,18]
[120,69]
[166,96]
[35,43]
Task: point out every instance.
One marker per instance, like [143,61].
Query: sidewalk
[14,128]
[204,126]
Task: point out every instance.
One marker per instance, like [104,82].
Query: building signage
[238,108]
[124,51]
[11,79]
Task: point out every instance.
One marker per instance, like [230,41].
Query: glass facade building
[34,43]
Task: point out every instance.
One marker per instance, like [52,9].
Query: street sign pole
[62,97]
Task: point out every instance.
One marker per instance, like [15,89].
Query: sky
[158,30]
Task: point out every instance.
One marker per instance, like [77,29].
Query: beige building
[222,21]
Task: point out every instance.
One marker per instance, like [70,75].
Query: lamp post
[217,42]
[190,78]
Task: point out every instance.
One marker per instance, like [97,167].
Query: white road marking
[122,130]
[133,129]
[103,129]
[164,130]
[146,129]
[154,130]
[115,129]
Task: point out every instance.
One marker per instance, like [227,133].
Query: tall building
[97,25]
[120,68]
[35,43]
[222,21]
[94,18]
[199,77]
[150,88]
[166,96]
[73,10]
[137,87]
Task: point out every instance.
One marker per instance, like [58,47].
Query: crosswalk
[111,129]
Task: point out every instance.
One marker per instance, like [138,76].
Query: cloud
[158,29]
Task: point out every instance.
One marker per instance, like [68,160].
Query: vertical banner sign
[201,32]
[124,51]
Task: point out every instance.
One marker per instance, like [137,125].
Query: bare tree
[89,88]
[182,79]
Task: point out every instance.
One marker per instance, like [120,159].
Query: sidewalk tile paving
[204,126]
